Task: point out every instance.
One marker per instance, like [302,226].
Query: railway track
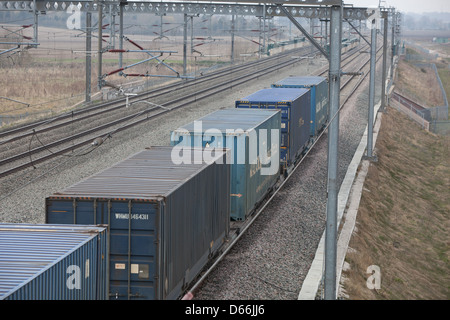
[239,228]
[170,89]
[109,118]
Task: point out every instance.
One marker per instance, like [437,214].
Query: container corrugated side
[53,262]
[164,219]
[319,98]
[231,128]
[295,117]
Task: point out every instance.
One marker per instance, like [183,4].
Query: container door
[133,241]
[285,134]
[239,172]
[313,123]
[133,251]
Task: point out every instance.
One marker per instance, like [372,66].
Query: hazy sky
[416,6]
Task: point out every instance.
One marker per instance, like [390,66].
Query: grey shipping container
[252,176]
[53,262]
[165,219]
[319,98]
[295,117]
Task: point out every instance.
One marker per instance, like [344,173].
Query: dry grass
[51,77]
[419,83]
[36,84]
[403,221]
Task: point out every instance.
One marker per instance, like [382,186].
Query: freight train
[170,210]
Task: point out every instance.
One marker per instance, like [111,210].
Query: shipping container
[319,98]
[165,218]
[239,130]
[53,262]
[295,117]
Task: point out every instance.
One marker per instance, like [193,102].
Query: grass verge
[403,220]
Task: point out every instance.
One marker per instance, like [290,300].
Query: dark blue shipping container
[251,176]
[165,218]
[319,98]
[295,117]
[53,262]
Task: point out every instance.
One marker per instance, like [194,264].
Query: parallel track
[104,130]
[8,136]
[240,75]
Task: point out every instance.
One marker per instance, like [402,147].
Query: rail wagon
[242,131]
[165,220]
[319,98]
[295,117]
[53,262]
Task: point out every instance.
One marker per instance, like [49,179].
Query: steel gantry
[311,9]
[332,11]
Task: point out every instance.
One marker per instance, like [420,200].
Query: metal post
[360,29]
[373,59]
[121,34]
[383,82]
[100,48]
[333,141]
[185,44]
[264,30]
[232,38]
[113,31]
[260,37]
[210,27]
[88,56]
[321,32]
[35,26]
[392,45]
[192,35]
[311,32]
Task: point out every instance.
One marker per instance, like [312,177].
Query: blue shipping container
[53,262]
[319,98]
[165,218]
[240,130]
[295,117]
